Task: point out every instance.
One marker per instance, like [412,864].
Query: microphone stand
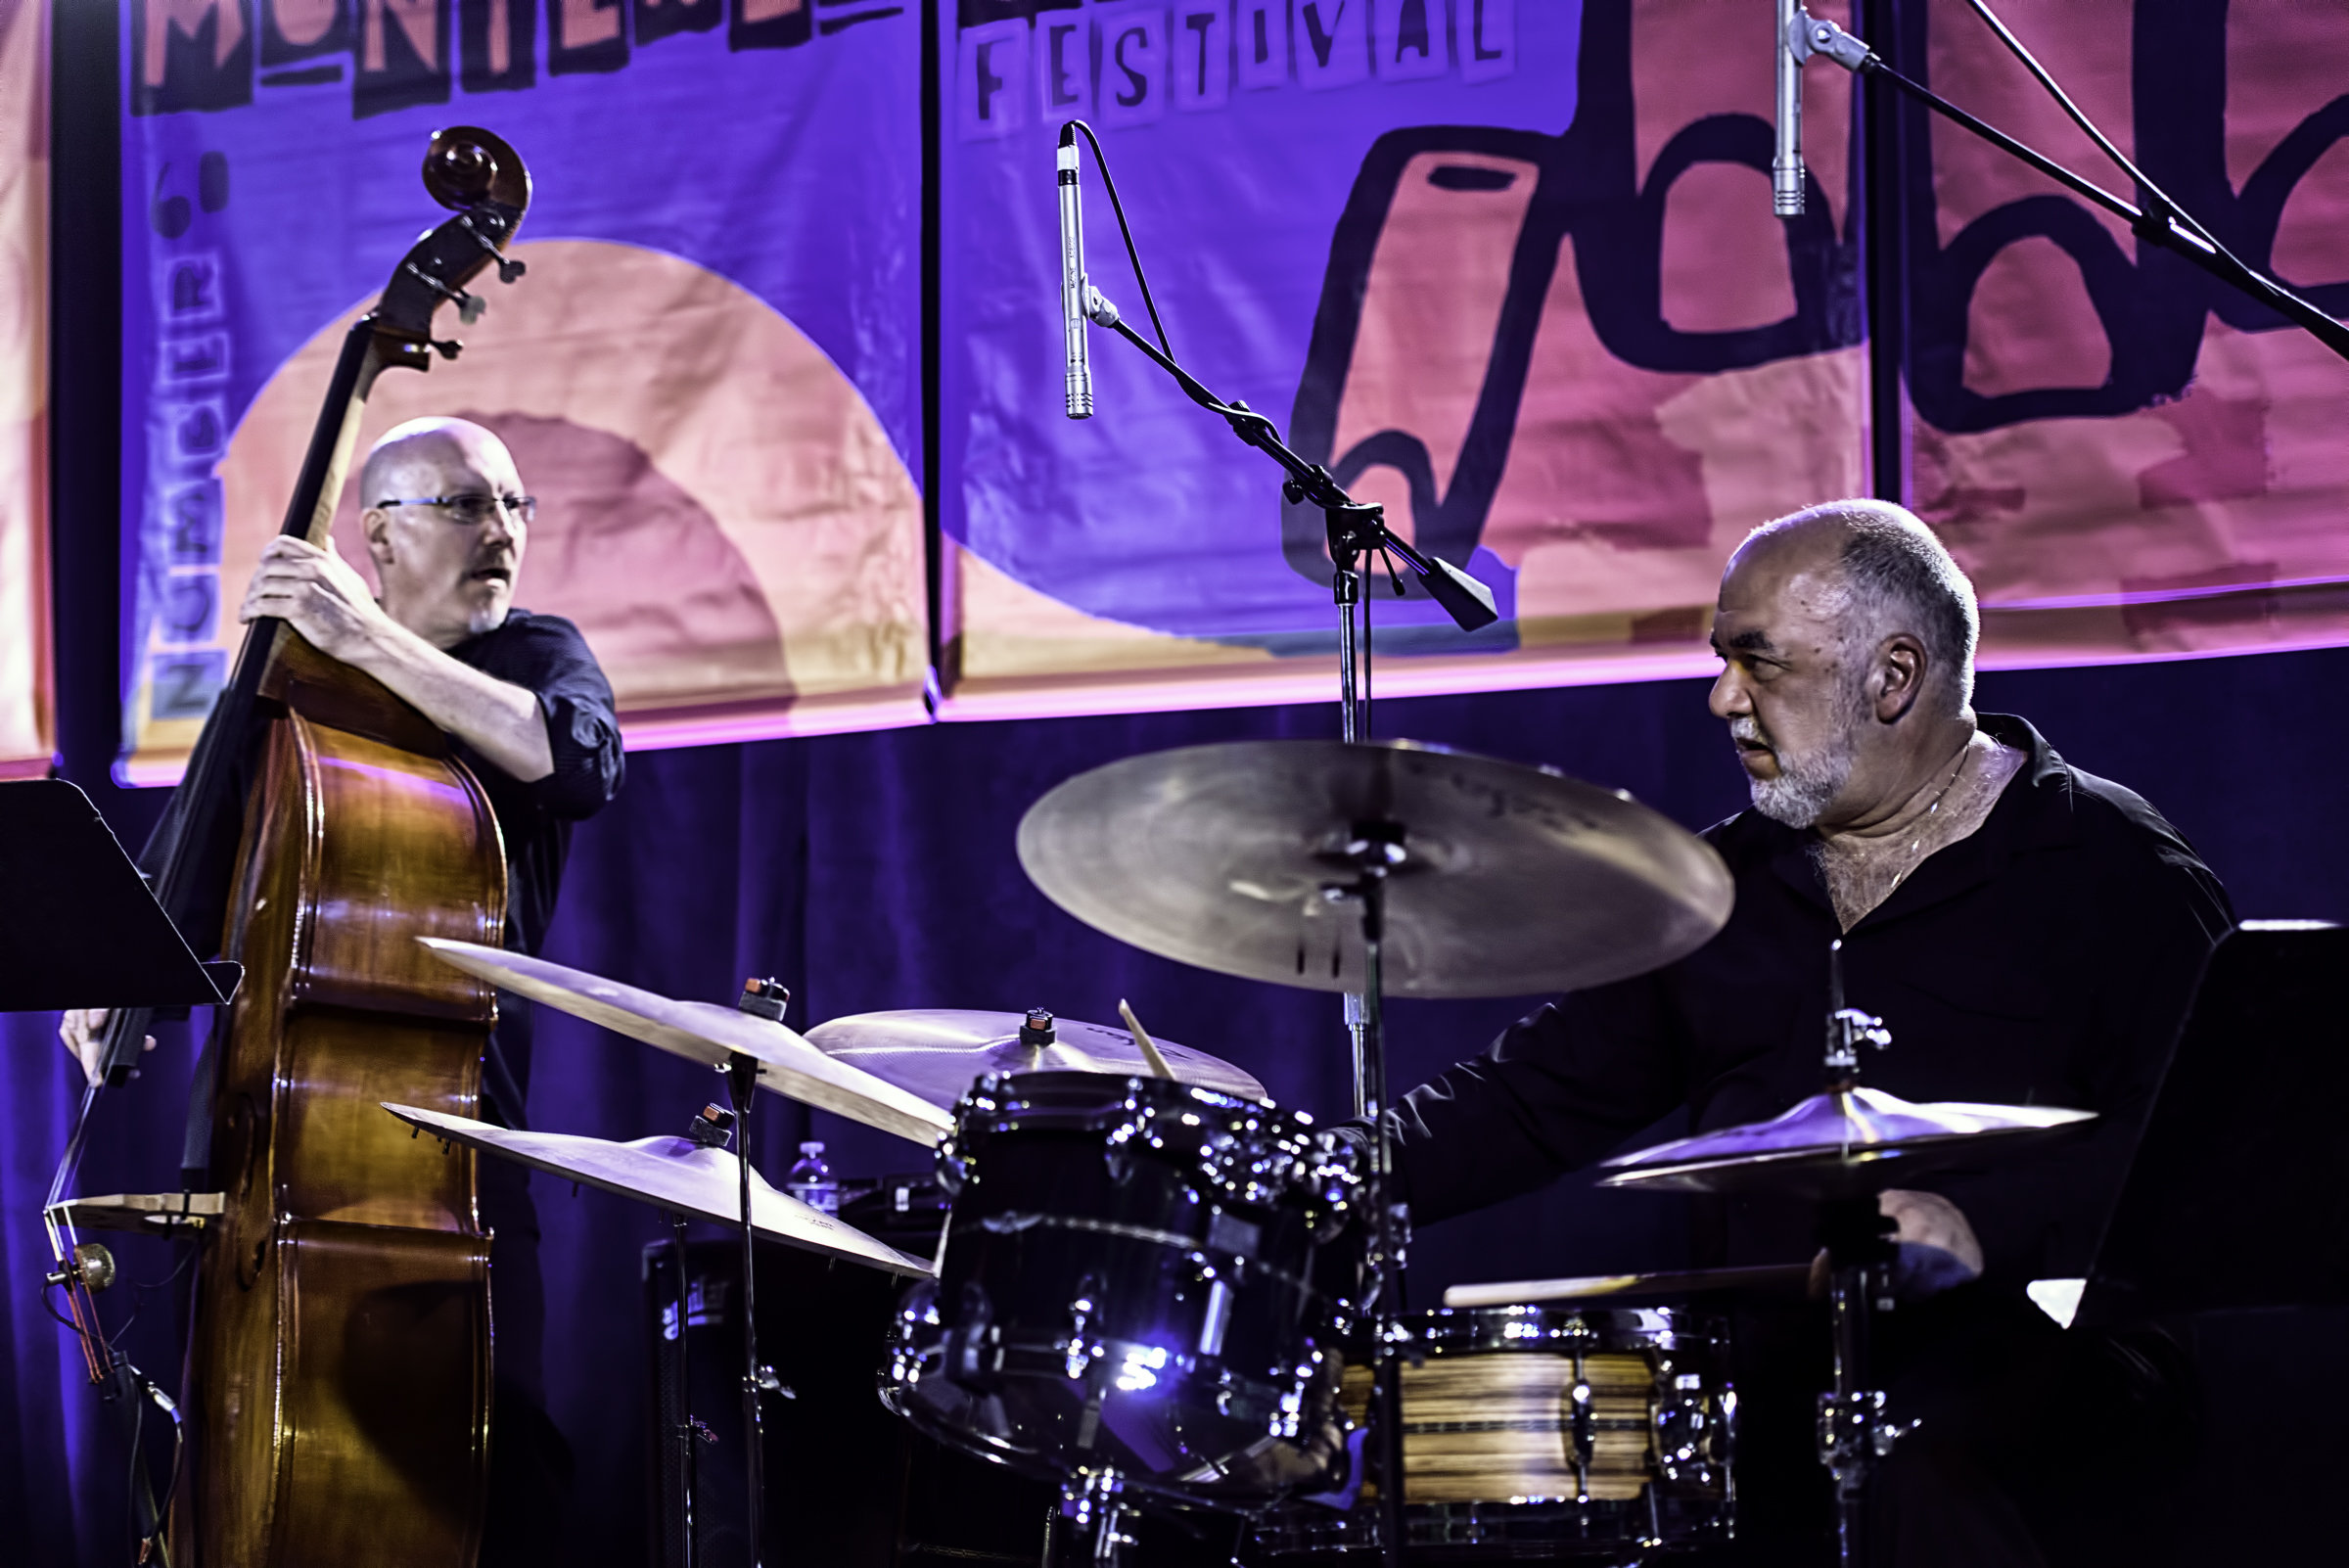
[1356,531]
[2159,222]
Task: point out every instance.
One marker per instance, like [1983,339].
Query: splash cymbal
[669,1173]
[707,1033]
[1840,1143]
[938,1053]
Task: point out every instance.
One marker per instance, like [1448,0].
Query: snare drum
[1127,1284]
[1535,1432]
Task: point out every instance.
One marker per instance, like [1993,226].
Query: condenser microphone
[1785,162]
[1072,280]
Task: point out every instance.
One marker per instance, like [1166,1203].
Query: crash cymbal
[939,1053]
[706,1033]
[667,1172]
[1838,1144]
[1511,880]
[1671,1284]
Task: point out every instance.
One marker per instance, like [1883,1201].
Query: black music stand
[2232,1202]
[78,927]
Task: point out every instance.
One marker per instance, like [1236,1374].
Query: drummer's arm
[1555,1091]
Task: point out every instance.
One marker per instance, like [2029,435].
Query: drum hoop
[995,1224]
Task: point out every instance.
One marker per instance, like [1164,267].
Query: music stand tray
[2232,1201]
[78,927]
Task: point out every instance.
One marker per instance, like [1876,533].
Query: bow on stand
[185,863]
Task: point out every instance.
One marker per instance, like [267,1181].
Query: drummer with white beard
[2030,934]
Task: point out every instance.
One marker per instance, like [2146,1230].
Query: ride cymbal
[1505,880]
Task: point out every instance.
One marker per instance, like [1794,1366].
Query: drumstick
[1773,1279]
[1142,1039]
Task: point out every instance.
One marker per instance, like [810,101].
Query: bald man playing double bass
[446,521]
[2030,934]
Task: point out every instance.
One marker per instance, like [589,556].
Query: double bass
[338,1385]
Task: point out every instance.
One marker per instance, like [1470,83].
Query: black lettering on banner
[587,36]
[191,361]
[2152,305]
[403,56]
[295,30]
[1063,66]
[500,42]
[990,93]
[1488,38]
[1264,43]
[1133,65]
[1337,42]
[189,600]
[1588,191]
[184,685]
[190,54]
[656,20]
[196,432]
[979,12]
[192,522]
[189,293]
[1409,41]
[1203,55]
[770,24]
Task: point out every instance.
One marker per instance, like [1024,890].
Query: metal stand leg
[742,1085]
[684,1433]
[1854,1435]
[1094,1505]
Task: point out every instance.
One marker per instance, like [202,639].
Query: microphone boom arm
[2160,223]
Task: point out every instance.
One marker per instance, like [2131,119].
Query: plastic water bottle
[810,1180]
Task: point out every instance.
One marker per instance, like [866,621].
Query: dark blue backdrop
[877,870]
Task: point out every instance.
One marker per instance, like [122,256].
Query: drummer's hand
[82,1029]
[318,592]
[1938,1248]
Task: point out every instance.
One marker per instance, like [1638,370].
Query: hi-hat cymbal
[707,1033]
[939,1053]
[1839,1144]
[1512,881]
[674,1174]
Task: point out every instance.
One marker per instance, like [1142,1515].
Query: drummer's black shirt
[2046,959]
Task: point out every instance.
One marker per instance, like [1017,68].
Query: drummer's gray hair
[1901,578]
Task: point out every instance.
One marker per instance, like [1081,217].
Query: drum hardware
[939,1053]
[1841,1149]
[1126,1303]
[1477,877]
[689,1175]
[1572,1431]
[709,1033]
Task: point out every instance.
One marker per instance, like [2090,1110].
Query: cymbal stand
[1355,530]
[1375,849]
[1854,1435]
[742,1084]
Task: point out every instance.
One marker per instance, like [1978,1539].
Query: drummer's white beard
[1808,781]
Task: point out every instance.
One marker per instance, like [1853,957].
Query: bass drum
[1595,1433]
[1127,1285]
